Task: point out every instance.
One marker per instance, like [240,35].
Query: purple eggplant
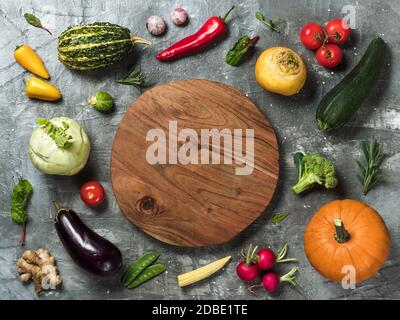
[89,250]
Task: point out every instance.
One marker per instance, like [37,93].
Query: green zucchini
[96,45]
[340,104]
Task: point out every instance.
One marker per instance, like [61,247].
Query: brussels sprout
[102,101]
[48,157]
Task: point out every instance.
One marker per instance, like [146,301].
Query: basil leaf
[34,21]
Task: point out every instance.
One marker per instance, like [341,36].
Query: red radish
[247,270]
[271,280]
[266,259]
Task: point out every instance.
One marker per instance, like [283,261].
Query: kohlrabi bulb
[50,158]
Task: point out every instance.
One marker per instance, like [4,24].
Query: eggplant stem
[59,208]
[57,205]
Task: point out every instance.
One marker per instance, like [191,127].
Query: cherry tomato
[338,31]
[92,193]
[329,55]
[312,35]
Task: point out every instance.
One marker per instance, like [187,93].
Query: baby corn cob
[202,273]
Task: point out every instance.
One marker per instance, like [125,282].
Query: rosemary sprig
[35,21]
[135,78]
[58,134]
[369,172]
[270,24]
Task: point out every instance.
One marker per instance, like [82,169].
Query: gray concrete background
[293,118]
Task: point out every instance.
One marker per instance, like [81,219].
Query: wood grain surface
[193,204]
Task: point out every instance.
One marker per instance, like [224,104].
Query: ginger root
[41,267]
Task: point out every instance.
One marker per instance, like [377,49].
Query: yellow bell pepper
[29,59]
[39,89]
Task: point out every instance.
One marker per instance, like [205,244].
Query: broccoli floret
[312,169]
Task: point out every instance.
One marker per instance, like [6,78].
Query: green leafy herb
[35,21]
[240,48]
[279,217]
[135,78]
[270,24]
[369,169]
[19,197]
[102,101]
[58,134]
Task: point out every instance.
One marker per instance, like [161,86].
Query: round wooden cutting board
[193,204]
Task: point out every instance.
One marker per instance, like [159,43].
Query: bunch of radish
[261,263]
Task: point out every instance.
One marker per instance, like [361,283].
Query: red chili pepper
[208,33]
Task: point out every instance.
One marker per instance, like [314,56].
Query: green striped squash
[96,45]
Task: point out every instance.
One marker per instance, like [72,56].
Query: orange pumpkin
[346,233]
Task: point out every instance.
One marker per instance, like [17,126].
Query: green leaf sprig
[134,78]
[58,134]
[270,24]
[35,21]
[240,48]
[277,218]
[369,168]
[19,197]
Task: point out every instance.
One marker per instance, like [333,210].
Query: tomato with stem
[312,35]
[329,55]
[338,31]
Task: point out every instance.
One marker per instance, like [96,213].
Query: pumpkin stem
[341,234]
